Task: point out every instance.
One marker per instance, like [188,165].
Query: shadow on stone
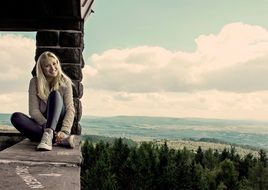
[9,137]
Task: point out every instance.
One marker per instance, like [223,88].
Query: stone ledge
[9,136]
[22,167]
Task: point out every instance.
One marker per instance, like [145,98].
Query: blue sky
[172,24]
[178,58]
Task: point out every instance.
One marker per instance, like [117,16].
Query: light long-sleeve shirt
[37,106]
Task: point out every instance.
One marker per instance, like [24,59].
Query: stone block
[70,39]
[73,71]
[66,55]
[76,129]
[82,45]
[82,62]
[47,38]
[78,109]
[77,89]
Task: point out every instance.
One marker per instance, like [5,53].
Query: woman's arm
[69,106]
[34,110]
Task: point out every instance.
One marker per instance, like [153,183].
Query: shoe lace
[46,137]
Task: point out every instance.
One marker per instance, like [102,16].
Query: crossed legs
[54,113]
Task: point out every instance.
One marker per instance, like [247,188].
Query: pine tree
[88,155]
[228,175]
[100,176]
[210,160]
[170,171]
[244,184]
[198,181]
[89,160]
[222,186]
[263,157]
[119,154]
[259,177]
[183,160]
[244,166]
[224,155]
[147,167]
[162,165]
[209,177]
[199,156]
[131,171]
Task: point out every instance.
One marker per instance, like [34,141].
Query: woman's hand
[59,136]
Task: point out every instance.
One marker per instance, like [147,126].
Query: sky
[175,58]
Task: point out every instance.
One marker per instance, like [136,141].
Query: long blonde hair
[43,88]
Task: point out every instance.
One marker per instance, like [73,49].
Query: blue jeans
[54,114]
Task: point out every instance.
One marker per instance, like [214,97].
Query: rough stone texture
[25,151]
[47,38]
[48,177]
[73,71]
[82,62]
[66,55]
[78,109]
[78,89]
[76,129]
[24,168]
[70,39]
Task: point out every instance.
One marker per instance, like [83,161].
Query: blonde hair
[43,88]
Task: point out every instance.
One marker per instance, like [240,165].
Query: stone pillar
[68,46]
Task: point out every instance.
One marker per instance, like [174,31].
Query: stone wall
[68,46]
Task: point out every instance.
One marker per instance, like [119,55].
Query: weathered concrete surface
[22,167]
[21,176]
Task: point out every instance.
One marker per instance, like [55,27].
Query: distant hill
[205,145]
[190,144]
[213,140]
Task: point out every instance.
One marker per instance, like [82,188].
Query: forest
[117,165]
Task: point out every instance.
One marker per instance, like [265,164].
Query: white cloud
[236,59]
[14,102]
[226,77]
[223,78]
[207,104]
[17,61]
[124,96]
[237,45]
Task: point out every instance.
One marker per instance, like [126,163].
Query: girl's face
[50,68]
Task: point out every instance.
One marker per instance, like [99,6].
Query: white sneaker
[46,141]
[67,141]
